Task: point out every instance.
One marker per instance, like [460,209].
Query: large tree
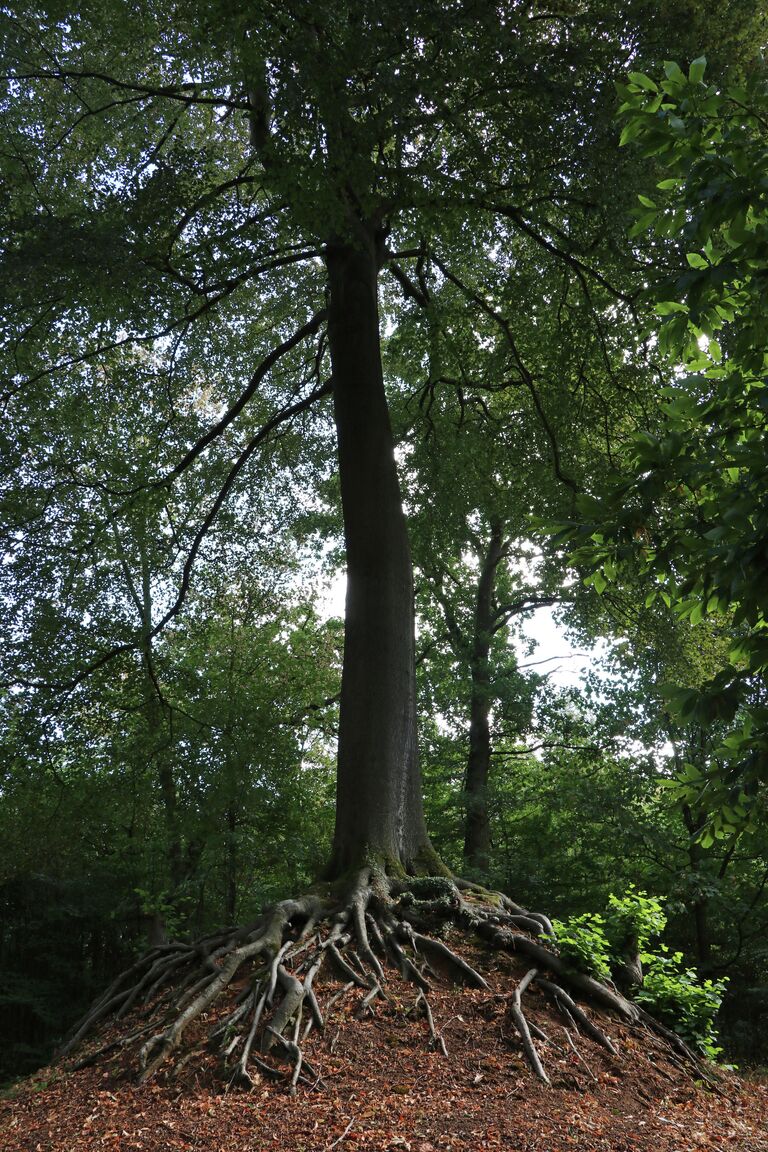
[199,210]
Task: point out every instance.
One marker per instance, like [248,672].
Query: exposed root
[690,1061]
[462,972]
[436,1040]
[408,969]
[516,1012]
[578,1054]
[567,1004]
[379,929]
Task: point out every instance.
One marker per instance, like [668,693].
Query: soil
[377,1082]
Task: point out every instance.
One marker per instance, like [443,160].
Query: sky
[553,655]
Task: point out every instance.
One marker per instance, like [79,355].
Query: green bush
[582,943]
[680,999]
[635,914]
[673,993]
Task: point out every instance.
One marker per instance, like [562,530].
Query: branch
[505,612]
[261,436]
[186,92]
[526,376]
[546,745]
[552,659]
[308,329]
[134,338]
[280,418]
[240,181]
[567,257]
[303,713]
[409,288]
[455,634]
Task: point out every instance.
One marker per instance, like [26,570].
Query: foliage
[636,915]
[593,942]
[62,937]
[679,997]
[672,991]
[168,701]
[582,942]
[84,841]
[689,509]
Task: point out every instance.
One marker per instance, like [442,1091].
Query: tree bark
[379,813]
[700,904]
[477,833]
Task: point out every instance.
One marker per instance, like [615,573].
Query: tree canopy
[690,509]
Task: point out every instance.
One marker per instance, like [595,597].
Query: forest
[462,308]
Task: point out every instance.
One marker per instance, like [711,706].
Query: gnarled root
[377,929]
[516,1012]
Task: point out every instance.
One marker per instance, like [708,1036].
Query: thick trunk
[477,835]
[379,815]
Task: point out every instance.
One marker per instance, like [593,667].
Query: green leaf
[673,71]
[631,131]
[643,81]
[667,307]
[697,70]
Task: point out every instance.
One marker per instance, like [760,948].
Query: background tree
[690,507]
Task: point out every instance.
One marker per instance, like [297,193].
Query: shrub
[635,914]
[582,943]
[675,994]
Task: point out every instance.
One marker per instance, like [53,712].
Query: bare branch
[186,93]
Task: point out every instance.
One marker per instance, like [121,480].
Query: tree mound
[358,928]
[422,1013]
[379,1081]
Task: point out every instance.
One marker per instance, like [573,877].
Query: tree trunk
[230,895]
[477,834]
[154,711]
[700,904]
[379,814]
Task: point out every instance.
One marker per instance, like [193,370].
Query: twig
[344,1133]
[578,1054]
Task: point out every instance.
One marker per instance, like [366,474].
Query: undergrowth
[598,944]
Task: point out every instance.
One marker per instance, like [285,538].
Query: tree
[478,576]
[689,508]
[165,244]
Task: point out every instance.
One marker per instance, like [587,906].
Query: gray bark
[477,836]
[379,814]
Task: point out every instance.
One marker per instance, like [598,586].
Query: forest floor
[377,1085]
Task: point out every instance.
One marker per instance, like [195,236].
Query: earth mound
[383,1076]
